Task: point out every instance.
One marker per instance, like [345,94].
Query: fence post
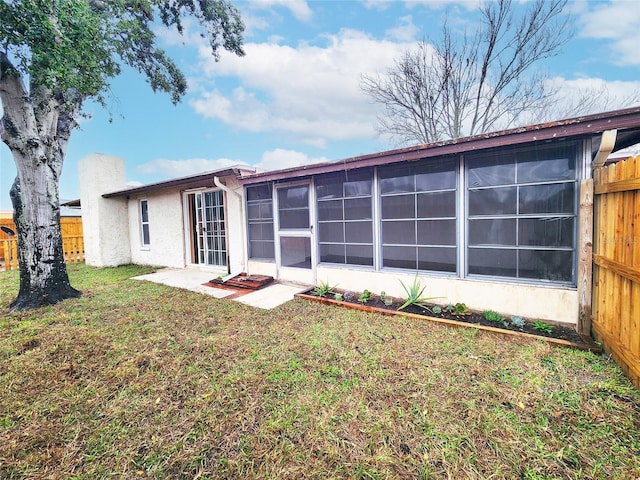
[585,257]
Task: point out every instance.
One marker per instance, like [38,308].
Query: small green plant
[364,296]
[436,309]
[543,327]
[493,317]
[323,289]
[460,309]
[414,294]
[517,321]
[338,297]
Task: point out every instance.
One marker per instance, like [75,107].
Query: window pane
[547,265]
[295,252]
[255,231]
[403,232]
[360,255]
[546,232]
[395,180]
[486,172]
[486,261]
[556,198]
[436,232]
[398,206]
[358,184]
[435,176]
[329,186]
[145,234]
[253,211]
[258,192]
[266,209]
[495,231]
[330,210]
[331,232]
[493,201]
[540,170]
[144,207]
[437,259]
[357,208]
[438,204]
[332,253]
[399,257]
[261,250]
[358,232]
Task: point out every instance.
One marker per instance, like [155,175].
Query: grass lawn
[138,380]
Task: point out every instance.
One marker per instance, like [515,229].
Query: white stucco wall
[104,220]
[166,238]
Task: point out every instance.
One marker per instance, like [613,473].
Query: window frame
[265,222]
[143,208]
[344,197]
[545,152]
[453,162]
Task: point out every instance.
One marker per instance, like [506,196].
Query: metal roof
[192,181]
[627,122]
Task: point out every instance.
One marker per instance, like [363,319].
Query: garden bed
[553,333]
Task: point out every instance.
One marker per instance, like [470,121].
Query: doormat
[248,282]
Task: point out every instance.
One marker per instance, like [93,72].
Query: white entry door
[295,242]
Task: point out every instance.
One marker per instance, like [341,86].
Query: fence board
[70,227]
[616,263]
[72,247]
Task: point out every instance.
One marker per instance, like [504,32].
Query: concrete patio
[266,298]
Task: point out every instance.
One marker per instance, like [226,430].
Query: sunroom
[492,221]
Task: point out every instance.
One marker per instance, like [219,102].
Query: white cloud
[298,8]
[280,158]
[616,21]
[181,168]
[405,31]
[270,160]
[584,96]
[310,91]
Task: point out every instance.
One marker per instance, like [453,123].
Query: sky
[295,97]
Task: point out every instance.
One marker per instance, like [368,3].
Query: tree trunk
[43,273]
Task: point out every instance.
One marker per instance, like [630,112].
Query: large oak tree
[54,56]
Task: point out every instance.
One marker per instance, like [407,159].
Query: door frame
[192,223]
[302,275]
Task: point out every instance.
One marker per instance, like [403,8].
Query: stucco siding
[166,246]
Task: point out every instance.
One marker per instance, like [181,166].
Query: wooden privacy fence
[73,248]
[616,263]
[72,243]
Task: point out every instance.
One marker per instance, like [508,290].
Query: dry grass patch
[140,380]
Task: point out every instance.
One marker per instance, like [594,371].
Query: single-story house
[491,220]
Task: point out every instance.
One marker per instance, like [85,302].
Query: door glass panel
[295,252]
[293,207]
